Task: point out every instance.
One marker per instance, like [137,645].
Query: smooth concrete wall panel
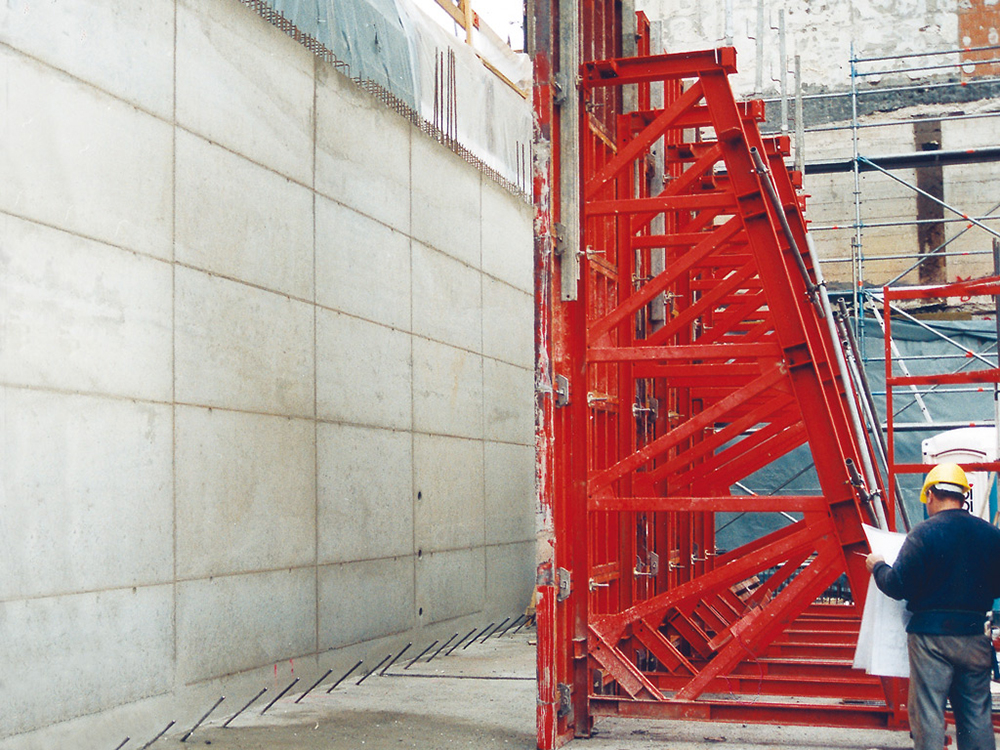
[87,493]
[450,584]
[365,478]
[245,492]
[120,46]
[510,493]
[363,372]
[265,368]
[73,655]
[510,578]
[240,220]
[447,201]
[507,237]
[508,402]
[84,316]
[361,601]
[447,390]
[362,151]
[238,347]
[362,266]
[65,161]
[447,299]
[232,623]
[244,84]
[508,330]
[448,475]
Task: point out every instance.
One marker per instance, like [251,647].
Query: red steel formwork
[694,353]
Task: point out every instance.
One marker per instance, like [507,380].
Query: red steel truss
[694,354]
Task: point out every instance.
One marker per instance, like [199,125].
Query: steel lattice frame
[656,421]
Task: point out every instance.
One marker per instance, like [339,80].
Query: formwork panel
[363,513]
[449,495]
[442,283]
[127,622]
[363,372]
[234,512]
[82,315]
[440,374]
[89,482]
[239,347]
[68,138]
[363,267]
[240,220]
[362,151]
[258,100]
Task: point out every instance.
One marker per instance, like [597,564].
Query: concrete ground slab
[482,697]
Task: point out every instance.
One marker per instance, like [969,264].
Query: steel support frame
[645,424]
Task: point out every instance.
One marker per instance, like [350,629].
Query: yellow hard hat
[949,475]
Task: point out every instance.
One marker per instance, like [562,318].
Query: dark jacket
[948,570]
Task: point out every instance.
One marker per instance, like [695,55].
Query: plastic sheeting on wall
[394,44]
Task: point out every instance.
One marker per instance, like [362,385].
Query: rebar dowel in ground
[344,676]
[443,647]
[494,631]
[198,723]
[476,636]
[373,670]
[163,732]
[279,695]
[519,618]
[394,660]
[249,703]
[415,659]
[459,642]
[314,685]
[526,621]
[124,743]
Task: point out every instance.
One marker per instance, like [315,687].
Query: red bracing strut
[695,354]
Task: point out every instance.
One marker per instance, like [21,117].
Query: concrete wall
[265,371]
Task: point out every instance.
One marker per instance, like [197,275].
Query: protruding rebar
[249,703]
[314,685]
[519,618]
[198,724]
[124,742]
[476,636]
[459,642]
[279,696]
[526,621]
[395,660]
[493,632]
[165,729]
[344,676]
[415,659]
[373,671]
[443,647]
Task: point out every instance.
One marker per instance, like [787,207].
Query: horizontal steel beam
[757,712]
[908,161]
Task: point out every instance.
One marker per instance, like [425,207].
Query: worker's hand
[872,560]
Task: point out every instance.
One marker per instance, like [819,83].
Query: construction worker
[948,571]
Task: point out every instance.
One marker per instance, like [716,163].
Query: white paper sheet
[882,641]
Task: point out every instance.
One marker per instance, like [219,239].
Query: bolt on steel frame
[690,351]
